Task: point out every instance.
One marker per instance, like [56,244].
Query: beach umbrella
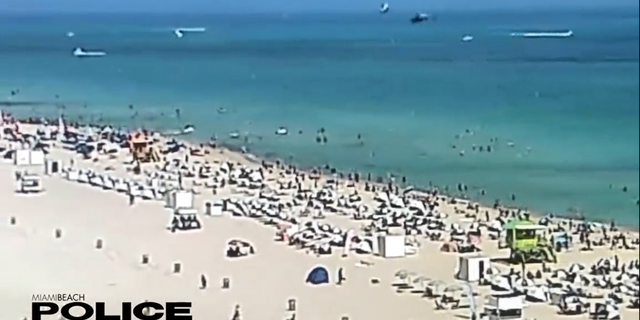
[402,274]
[575,268]
[421,280]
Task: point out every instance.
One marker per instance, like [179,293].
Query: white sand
[36,263]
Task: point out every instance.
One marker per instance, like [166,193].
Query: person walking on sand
[203,282]
[236,313]
[132,200]
[341,277]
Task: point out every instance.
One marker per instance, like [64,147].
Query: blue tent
[318,275]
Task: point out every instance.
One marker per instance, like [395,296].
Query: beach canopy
[318,275]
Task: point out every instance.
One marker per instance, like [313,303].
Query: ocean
[561,115]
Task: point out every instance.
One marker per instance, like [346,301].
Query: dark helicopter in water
[421,17]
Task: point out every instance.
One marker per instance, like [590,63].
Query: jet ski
[420,17]
[384,8]
[81,53]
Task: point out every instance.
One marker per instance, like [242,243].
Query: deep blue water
[569,105]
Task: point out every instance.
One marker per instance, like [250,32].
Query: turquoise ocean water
[569,105]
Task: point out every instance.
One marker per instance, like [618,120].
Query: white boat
[188,129]
[467,38]
[79,52]
[282,131]
[180,32]
[565,34]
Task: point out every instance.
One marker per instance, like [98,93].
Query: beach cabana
[318,275]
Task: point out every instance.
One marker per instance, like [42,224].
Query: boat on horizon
[81,53]
[562,34]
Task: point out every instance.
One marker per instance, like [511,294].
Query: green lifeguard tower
[527,243]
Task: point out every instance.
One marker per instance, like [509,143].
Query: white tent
[472,268]
[177,199]
[51,167]
[504,306]
[214,209]
[22,157]
[391,246]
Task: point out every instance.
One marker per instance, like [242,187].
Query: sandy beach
[36,262]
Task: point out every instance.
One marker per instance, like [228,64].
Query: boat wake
[81,53]
[565,34]
[180,32]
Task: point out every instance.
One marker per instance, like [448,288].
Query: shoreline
[255,159]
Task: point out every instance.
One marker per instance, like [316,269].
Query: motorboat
[282,131]
[180,32]
[81,53]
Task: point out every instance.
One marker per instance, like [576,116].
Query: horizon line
[319,12]
[314,11]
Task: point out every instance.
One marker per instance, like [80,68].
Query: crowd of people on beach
[590,235]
